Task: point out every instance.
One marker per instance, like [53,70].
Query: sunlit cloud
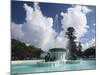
[76,17]
[37,30]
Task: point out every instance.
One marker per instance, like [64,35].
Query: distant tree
[79,50]
[19,51]
[90,52]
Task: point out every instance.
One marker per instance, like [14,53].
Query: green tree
[72,44]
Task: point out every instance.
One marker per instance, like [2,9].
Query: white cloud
[37,30]
[16,31]
[93,31]
[76,17]
[61,40]
[89,44]
[94,24]
[86,9]
[84,39]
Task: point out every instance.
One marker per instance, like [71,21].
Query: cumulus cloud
[84,39]
[86,9]
[90,43]
[37,29]
[16,31]
[76,17]
[61,41]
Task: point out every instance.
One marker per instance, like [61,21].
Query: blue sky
[18,15]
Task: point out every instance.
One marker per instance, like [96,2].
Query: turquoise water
[52,66]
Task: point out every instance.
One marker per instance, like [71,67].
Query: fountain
[59,56]
[58,53]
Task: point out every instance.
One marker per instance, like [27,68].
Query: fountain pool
[41,66]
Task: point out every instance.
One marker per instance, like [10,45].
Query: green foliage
[72,44]
[19,51]
[22,52]
[76,51]
[90,52]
